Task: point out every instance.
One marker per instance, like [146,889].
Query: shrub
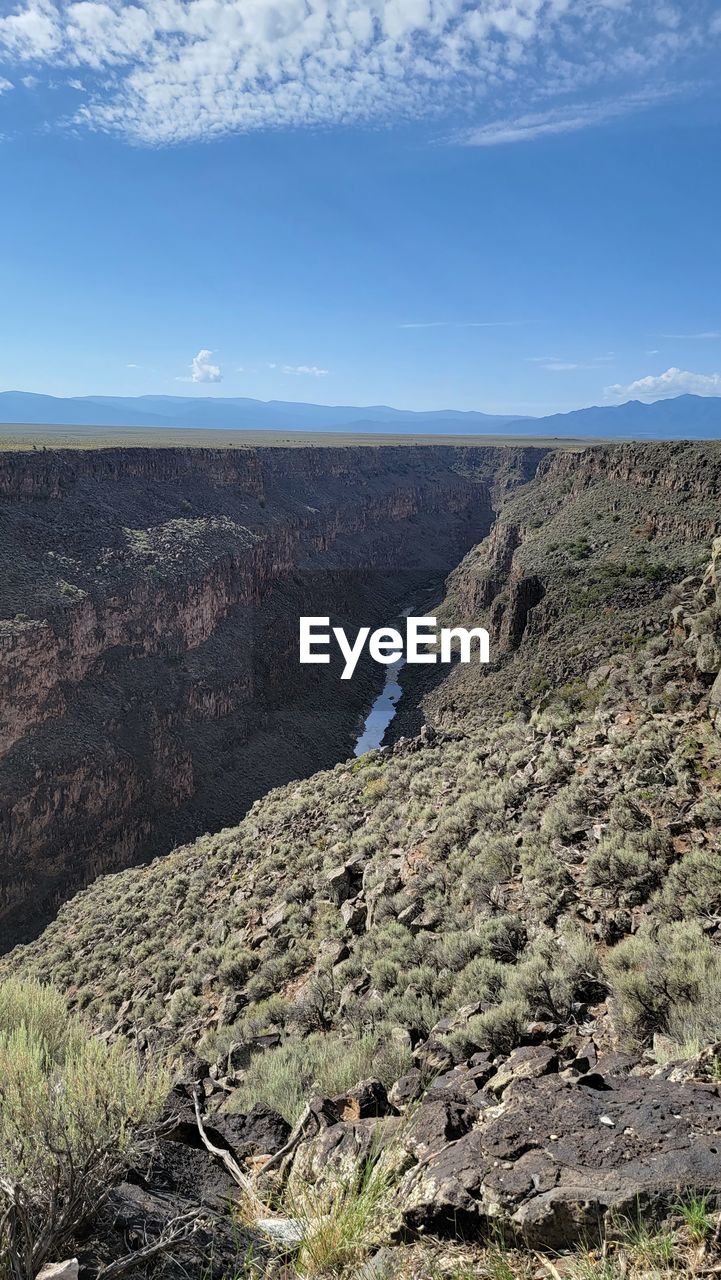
[630,865]
[71,1109]
[500,1028]
[284,1077]
[692,888]
[482,979]
[669,981]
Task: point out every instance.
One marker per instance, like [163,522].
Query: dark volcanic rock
[406,1090]
[261,1132]
[557,1160]
[443,1118]
[369,1098]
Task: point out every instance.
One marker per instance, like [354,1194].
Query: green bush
[328,1064]
[667,981]
[71,1109]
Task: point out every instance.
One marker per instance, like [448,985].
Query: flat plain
[19,436]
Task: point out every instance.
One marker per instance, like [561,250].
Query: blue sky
[509,205]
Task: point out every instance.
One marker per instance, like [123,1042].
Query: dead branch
[227,1160]
[175,1233]
[290,1145]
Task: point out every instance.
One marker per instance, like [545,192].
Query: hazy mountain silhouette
[682,417]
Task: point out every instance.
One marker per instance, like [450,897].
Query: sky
[506,205]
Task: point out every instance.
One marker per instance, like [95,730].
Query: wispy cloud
[5,85]
[556,364]
[163,71]
[694,337]
[673,382]
[461,324]
[565,119]
[308,370]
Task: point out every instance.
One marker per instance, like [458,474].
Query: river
[382,711]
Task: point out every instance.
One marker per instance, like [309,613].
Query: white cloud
[162,71]
[461,324]
[202,369]
[5,85]
[555,364]
[694,337]
[565,119]
[33,31]
[673,382]
[311,370]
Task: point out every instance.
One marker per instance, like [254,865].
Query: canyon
[150,688]
[487,952]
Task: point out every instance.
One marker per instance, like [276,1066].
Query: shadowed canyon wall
[149,679]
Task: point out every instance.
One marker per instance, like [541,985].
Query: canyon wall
[577,567]
[149,681]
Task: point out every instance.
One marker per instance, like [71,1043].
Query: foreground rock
[555,1162]
[558,1160]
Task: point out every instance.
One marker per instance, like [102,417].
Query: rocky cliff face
[579,560]
[697,618]
[149,603]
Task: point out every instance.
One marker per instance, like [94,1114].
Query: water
[382,711]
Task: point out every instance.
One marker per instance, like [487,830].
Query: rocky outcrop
[149,681]
[689,469]
[561,1158]
[533,1147]
[697,617]
[579,560]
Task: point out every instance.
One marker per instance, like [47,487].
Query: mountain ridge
[680,417]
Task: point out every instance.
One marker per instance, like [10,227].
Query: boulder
[527,1063]
[261,1131]
[433,1057]
[366,1099]
[406,1090]
[337,1152]
[443,1117]
[555,1163]
[353,914]
[340,884]
[60,1270]
[331,951]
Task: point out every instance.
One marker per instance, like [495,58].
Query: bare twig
[230,1163]
[548,1266]
[290,1145]
[178,1231]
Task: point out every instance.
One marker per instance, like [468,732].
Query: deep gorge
[149,682]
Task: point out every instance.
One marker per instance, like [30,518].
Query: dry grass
[19,437]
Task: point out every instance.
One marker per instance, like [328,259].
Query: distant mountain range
[683,417]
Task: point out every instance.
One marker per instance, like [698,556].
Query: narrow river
[382,711]
[384,707]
